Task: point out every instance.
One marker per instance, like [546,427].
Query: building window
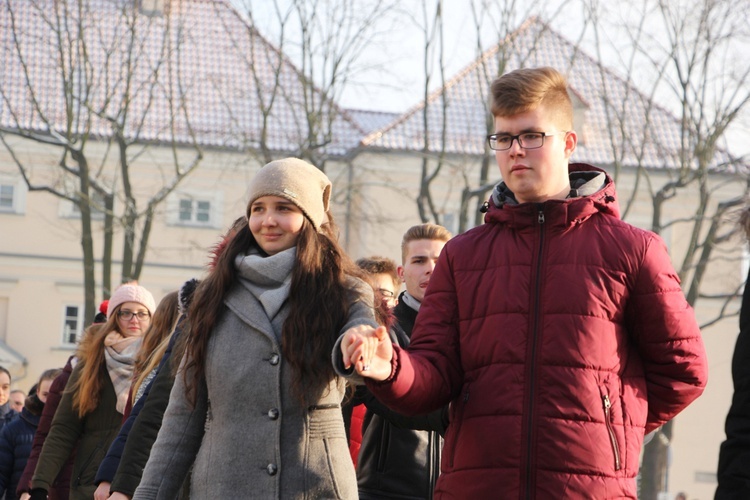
[72,323]
[72,211]
[195,211]
[12,197]
[194,208]
[450,222]
[6,197]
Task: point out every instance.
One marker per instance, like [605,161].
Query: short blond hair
[527,89]
[425,231]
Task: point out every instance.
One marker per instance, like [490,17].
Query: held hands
[369,350]
[102,491]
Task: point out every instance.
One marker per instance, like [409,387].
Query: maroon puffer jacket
[560,334]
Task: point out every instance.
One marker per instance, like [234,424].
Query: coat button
[274,360]
[271,469]
[273,413]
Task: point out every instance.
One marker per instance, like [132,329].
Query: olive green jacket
[95,431]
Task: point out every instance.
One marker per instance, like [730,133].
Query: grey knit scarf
[267,278]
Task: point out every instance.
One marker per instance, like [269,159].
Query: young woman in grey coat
[255,408]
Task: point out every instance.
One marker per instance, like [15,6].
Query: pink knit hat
[131,293]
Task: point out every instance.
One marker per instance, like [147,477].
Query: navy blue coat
[15,447]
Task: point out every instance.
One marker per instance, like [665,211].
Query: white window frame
[198,211]
[176,204]
[17,197]
[67,330]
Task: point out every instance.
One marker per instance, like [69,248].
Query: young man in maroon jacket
[558,332]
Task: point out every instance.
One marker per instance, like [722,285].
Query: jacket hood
[592,191]
[33,405]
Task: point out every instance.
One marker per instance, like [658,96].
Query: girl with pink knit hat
[90,412]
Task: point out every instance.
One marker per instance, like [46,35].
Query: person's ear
[400,272]
[571,141]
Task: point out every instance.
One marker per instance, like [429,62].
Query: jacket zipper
[385,441]
[434,461]
[534,346]
[611,431]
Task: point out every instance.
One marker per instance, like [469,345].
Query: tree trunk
[87,241]
[107,249]
[654,466]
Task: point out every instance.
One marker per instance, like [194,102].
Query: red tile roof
[208,73]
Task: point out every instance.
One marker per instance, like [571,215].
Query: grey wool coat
[248,436]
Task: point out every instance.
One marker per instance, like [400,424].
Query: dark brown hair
[379,265]
[318,301]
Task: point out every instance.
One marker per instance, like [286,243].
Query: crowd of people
[525,358]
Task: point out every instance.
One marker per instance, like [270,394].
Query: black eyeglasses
[527,140]
[128,315]
[386,293]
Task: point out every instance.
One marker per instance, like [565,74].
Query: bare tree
[692,51]
[92,74]
[433,152]
[305,53]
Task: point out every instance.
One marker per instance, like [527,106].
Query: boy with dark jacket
[400,454]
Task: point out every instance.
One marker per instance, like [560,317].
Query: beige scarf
[120,353]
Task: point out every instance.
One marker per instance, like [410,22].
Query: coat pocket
[329,472]
[90,465]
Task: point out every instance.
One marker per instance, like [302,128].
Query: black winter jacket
[734,455]
[400,455]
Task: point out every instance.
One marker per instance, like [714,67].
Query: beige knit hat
[299,182]
[131,293]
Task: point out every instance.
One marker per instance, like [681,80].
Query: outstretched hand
[369,350]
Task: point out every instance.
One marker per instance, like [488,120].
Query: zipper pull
[540,218]
[466,396]
[607,402]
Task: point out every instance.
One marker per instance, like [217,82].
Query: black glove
[38,494]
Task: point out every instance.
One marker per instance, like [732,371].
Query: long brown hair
[90,356]
[158,333]
[318,300]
